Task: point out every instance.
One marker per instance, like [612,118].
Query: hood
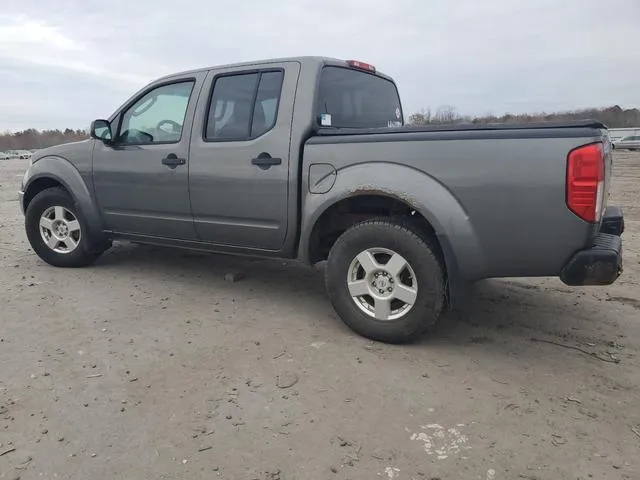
[74,152]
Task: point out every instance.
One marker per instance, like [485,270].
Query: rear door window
[265,109]
[243,106]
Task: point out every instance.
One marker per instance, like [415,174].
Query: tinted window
[266,107]
[354,99]
[158,116]
[243,106]
[231,106]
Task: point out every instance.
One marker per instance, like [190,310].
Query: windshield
[349,98]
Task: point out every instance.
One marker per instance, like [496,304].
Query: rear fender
[463,253]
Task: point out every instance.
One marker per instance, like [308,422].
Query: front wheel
[385,280]
[56,230]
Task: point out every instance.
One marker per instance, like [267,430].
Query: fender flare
[64,172]
[464,255]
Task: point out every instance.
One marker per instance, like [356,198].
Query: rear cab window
[352,98]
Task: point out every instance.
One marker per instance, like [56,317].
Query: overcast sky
[66,62]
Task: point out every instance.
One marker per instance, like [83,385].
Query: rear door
[239,159]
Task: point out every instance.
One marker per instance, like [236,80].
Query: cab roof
[304,61]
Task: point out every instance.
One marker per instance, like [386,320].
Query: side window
[266,108]
[243,106]
[230,109]
[158,116]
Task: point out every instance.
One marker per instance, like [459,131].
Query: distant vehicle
[628,143]
[309,158]
[5,156]
[21,154]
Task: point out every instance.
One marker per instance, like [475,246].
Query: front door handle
[265,161]
[172,160]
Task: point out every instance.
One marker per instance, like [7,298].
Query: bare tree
[447,114]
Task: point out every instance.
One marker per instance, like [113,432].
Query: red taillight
[361,65]
[585,182]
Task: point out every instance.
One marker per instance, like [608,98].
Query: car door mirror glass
[101,130]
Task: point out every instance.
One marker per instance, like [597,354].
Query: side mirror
[101,130]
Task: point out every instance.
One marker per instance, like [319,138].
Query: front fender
[65,173]
[453,227]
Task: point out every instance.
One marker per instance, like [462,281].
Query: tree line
[35,139]
[613,117]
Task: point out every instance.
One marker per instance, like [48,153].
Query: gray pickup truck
[309,158]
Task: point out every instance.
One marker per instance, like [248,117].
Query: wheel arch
[426,200]
[53,171]
[39,184]
[359,206]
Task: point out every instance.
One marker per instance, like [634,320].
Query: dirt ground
[149,365]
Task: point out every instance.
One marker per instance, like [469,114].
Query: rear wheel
[57,231]
[385,281]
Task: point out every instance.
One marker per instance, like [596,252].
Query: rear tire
[57,231]
[385,280]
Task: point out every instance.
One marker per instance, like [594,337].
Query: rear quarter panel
[498,198]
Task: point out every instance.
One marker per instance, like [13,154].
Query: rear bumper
[612,221]
[600,264]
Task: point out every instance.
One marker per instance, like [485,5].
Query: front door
[239,170]
[141,179]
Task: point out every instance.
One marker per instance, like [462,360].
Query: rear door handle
[172,160]
[265,161]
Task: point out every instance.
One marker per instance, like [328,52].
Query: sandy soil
[149,365]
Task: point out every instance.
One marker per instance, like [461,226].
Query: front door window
[157,117]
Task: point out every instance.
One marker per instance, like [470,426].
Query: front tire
[57,231]
[385,280]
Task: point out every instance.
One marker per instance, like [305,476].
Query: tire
[382,245]
[69,246]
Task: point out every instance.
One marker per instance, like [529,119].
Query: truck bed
[506,181]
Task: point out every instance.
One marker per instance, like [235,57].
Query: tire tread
[398,331]
[81,257]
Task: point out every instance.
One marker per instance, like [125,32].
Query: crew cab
[309,158]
